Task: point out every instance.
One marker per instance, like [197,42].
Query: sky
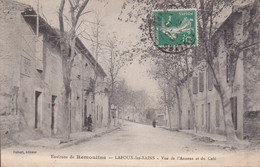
[136,74]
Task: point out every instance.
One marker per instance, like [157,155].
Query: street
[138,139]
[133,144]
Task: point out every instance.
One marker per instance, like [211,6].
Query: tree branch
[62,3]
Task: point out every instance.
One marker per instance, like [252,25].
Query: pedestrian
[89,123]
[154,123]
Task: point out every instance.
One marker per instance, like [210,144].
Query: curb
[220,143]
[214,142]
[165,128]
[75,142]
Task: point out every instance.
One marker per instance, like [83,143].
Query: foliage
[209,14]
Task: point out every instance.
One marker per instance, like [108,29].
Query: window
[201,81]
[202,114]
[229,35]
[195,85]
[26,66]
[217,113]
[216,65]
[233,101]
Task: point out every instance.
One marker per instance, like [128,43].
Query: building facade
[32,82]
[241,81]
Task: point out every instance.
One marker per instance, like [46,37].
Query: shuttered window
[195,85]
[217,66]
[201,81]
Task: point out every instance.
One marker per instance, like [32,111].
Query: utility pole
[37,19]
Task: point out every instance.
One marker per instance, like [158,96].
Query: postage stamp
[175,27]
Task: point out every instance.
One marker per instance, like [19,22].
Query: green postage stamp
[175,27]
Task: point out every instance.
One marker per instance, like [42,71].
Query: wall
[19,69]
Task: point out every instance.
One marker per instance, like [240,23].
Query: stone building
[241,80]
[31,79]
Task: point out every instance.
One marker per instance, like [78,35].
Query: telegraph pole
[37,19]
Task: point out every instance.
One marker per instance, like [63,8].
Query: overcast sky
[135,74]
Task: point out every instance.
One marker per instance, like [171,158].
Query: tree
[121,96]
[208,13]
[95,39]
[67,50]
[139,100]
[115,60]
[167,72]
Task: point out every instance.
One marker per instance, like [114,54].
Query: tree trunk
[168,101]
[229,127]
[109,112]
[226,106]
[169,114]
[179,108]
[65,98]
[192,106]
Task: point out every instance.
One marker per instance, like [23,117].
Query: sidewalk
[213,139]
[210,136]
[75,138]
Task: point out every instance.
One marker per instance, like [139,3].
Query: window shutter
[210,79]
[39,53]
[195,85]
[201,81]
[217,66]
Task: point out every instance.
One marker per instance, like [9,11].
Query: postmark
[175,28]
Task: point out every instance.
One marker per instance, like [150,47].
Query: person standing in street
[89,123]
[154,123]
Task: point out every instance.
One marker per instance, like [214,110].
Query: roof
[235,14]
[11,5]
[53,34]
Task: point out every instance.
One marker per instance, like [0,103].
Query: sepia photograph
[138,83]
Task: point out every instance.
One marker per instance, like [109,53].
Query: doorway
[188,119]
[180,115]
[208,118]
[85,115]
[37,109]
[53,108]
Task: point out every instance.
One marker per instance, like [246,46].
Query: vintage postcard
[130,83]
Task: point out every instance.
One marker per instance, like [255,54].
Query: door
[208,118]
[85,117]
[53,108]
[189,119]
[180,115]
[37,109]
